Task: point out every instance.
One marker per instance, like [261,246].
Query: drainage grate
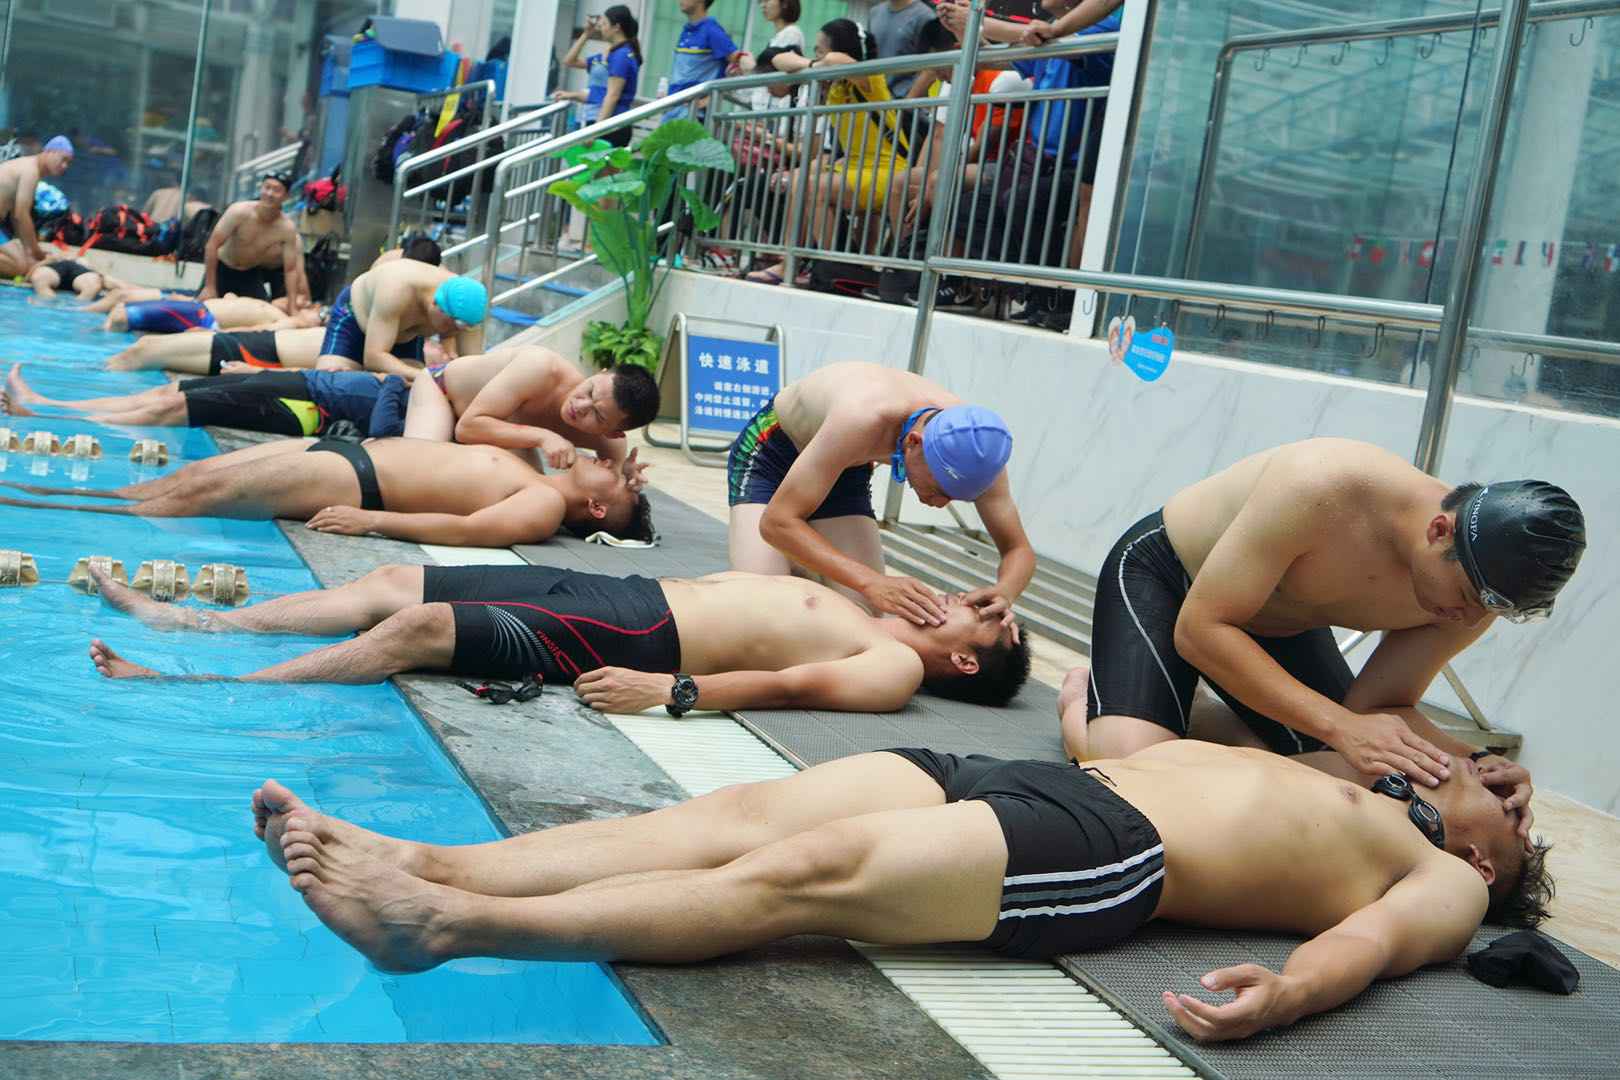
[1022,1020]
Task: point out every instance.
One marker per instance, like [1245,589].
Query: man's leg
[905,876]
[189,354]
[747,548]
[359,605]
[14,262]
[418,638]
[428,414]
[700,833]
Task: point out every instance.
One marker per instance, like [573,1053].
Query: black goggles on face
[1423,815]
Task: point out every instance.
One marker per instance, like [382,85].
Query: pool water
[135,902]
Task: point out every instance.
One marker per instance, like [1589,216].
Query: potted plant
[624,208]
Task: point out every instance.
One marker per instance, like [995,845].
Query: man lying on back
[727,641]
[429,492]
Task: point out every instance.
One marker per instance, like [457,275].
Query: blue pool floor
[135,902]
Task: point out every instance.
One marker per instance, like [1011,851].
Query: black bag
[321,266]
[400,138]
[843,278]
[194,237]
[68,228]
[122,228]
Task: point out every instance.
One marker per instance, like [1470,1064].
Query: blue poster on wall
[1148,352]
[728,381]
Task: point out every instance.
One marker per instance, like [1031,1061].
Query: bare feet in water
[400,922]
[151,612]
[114,666]
[1074,688]
[18,395]
[274,805]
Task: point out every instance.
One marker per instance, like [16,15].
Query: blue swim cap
[62,143]
[463,299]
[966,447]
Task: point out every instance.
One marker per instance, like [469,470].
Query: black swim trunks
[259,282]
[68,272]
[1135,669]
[256,347]
[517,621]
[761,457]
[276,402]
[364,470]
[1085,868]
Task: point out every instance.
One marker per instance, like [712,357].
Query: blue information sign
[728,381]
[1148,354]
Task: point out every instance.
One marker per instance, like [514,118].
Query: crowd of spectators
[866,181]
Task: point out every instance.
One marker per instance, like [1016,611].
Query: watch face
[686,691]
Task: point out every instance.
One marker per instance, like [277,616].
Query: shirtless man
[408,489]
[255,249]
[65,275]
[293,403]
[531,398]
[164,203]
[1241,577]
[379,321]
[727,641]
[177,316]
[800,483]
[19,241]
[907,847]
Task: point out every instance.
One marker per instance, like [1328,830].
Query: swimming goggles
[499,693]
[897,460]
[1423,815]
[1499,605]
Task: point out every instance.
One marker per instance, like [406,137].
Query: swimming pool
[135,903]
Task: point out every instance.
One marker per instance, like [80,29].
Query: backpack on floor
[67,229]
[121,228]
[193,242]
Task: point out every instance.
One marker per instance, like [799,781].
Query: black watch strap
[682,696]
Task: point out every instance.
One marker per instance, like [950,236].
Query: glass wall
[1342,168]
[116,76]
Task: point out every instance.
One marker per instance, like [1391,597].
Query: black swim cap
[1520,542]
[281,177]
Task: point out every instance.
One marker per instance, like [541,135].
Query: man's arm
[1425,918]
[487,419]
[22,213]
[785,525]
[1006,529]
[382,334]
[223,228]
[1283,522]
[880,679]
[1086,13]
[293,278]
[530,516]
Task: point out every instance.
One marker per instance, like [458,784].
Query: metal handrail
[416,162]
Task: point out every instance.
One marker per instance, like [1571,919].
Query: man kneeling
[908,847]
[627,644]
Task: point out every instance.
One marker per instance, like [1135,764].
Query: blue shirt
[620,63]
[700,54]
[1046,126]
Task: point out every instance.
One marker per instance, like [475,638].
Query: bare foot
[401,923]
[1074,688]
[18,395]
[114,666]
[143,607]
[238,367]
[126,360]
[274,807]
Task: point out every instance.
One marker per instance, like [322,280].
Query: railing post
[1460,292]
[191,115]
[395,206]
[492,235]
[946,193]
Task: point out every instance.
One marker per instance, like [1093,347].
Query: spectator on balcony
[873,143]
[1062,142]
[611,76]
[897,27]
[703,52]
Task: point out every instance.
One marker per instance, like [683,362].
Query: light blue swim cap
[966,447]
[62,143]
[463,299]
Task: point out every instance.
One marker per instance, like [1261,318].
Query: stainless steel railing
[433,196]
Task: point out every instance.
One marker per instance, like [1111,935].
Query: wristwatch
[682,696]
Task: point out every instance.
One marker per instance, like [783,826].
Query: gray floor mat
[1436,1022]
[692,544]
